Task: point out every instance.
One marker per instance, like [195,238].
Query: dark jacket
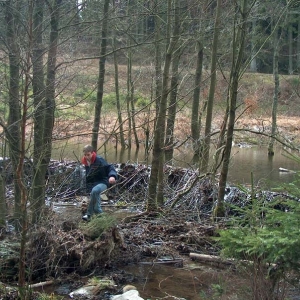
[98,171]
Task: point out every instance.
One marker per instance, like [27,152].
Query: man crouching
[99,174]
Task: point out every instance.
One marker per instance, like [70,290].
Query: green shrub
[98,225]
[80,92]
[141,101]
[267,237]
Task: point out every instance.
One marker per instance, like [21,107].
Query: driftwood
[174,261]
[211,258]
[287,170]
[222,261]
[40,284]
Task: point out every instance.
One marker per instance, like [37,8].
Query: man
[99,174]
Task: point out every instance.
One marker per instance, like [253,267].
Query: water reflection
[244,161]
[193,281]
[265,169]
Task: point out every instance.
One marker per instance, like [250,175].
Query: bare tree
[211,96]
[155,195]
[276,40]
[40,164]
[100,84]
[238,44]
[120,120]
[196,116]
[277,37]
[13,127]
[174,82]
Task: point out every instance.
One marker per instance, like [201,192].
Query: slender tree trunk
[2,202]
[45,113]
[140,33]
[169,147]
[156,186]
[152,192]
[13,128]
[290,44]
[24,196]
[210,101]
[238,45]
[120,121]
[129,79]
[100,84]
[132,106]
[130,99]
[276,92]
[20,167]
[253,64]
[298,45]
[128,111]
[196,117]
[221,140]
[158,60]
[40,165]
[160,177]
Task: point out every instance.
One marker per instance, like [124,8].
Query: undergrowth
[98,225]
[264,239]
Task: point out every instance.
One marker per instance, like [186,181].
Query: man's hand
[112,180]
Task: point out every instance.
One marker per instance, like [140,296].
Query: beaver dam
[65,250]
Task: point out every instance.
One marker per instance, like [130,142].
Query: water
[193,281]
[265,169]
[244,162]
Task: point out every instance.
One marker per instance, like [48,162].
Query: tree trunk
[290,45]
[169,147]
[2,202]
[20,167]
[158,60]
[130,99]
[210,101]
[276,92]
[238,45]
[156,186]
[120,121]
[253,64]
[13,129]
[45,113]
[101,77]
[40,165]
[196,117]
[20,182]
[298,45]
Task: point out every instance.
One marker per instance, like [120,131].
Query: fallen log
[175,262]
[40,284]
[211,258]
[220,260]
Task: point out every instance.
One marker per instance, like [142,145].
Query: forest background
[161,73]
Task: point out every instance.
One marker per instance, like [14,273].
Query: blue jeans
[95,199]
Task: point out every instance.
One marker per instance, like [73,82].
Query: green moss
[98,225]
